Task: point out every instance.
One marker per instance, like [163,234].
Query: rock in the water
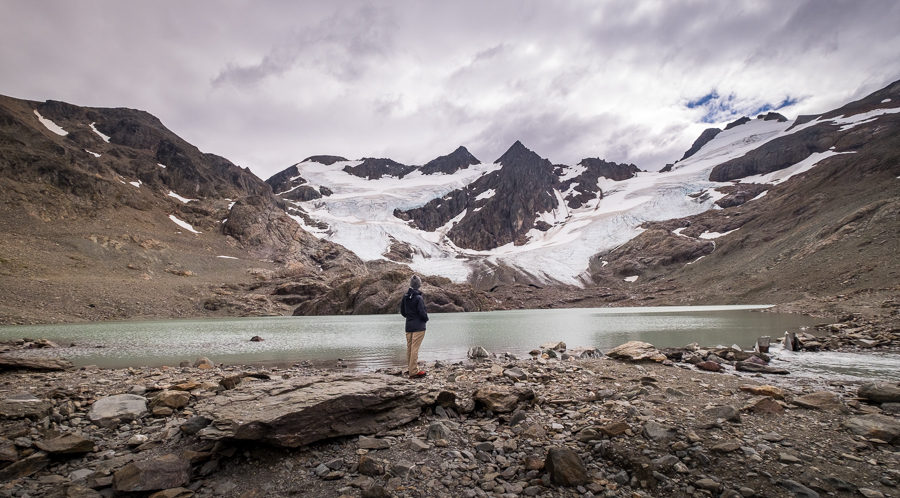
[69,444]
[875,426]
[748,366]
[164,472]
[636,351]
[301,410]
[565,467]
[500,399]
[478,352]
[822,400]
[710,366]
[203,363]
[880,392]
[39,364]
[770,391]
[111,410]
[24,405]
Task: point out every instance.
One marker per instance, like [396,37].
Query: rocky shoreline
[684,422]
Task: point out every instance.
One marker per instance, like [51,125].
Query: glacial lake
[368,342]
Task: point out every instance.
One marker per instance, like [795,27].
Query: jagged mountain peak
[517,152]
[458,159]
[324,159]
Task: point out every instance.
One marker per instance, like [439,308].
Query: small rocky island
[633,421]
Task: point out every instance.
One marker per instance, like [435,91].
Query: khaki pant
[413,341]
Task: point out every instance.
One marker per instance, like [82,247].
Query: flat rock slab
[636,351]
[875,426]
[38,364]
[880,392]
[302,410]
[112,410]
[69,444]
[24,405]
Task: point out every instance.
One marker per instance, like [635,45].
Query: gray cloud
[268,84]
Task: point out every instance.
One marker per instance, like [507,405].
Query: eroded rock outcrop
[299,411]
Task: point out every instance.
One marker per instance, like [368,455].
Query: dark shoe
[420,373]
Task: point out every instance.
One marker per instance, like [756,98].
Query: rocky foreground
[561,423]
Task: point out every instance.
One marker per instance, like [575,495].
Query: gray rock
[69,444]
[565,467]
[658,432]
[502,399]
[822,400]
[24,405]
[112,410]
[875,426]
[870,493]
[749,366]
[636,351]
[880,392]
[516,374]
[416,444]
[437,431]
[798,489]
[478,352]
[164,472]
[724,412]
[708,484]
[302,410]
[194,425]
[371,443]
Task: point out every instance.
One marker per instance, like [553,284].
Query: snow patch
[632,278]
[231,204]
[487,194]
[678,231]
[862,118]
[698,259]
[715,235]
[161,165]
[885,101]
[50,125]
[136,184]
[183,224]
[92,153]
[95,130]
[226,257]
[803,166]
[760,196]
[180,198]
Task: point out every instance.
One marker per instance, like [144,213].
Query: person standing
[412,307]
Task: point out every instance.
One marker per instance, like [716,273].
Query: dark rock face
[737,122]
[772,116]
[524,188]
[778,154]
[586,183]
[324,159]
[653,249]
[459,159]
[373,169]
[302,410]
[704,138]
[739,194]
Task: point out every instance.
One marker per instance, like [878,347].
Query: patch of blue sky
[723,108]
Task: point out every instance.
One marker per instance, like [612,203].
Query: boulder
[69,444]
[614,429]
[770,391]
[24,405]
[822,400]
[501,399]
[710,366]
[766,406]
[636,351]
[515,373]
[875,426]
[658,432]
[302,410]
[556,346]
[749,366]
[477,352]
[565,467]
[39,364]
[112,410]
[164,472]
[25,467]
[194,424]
[878,392]
[203,363]
[171,399]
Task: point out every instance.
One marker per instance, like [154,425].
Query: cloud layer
[269,83]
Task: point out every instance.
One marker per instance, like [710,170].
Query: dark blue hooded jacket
[412,307]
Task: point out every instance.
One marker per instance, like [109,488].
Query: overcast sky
[267,84]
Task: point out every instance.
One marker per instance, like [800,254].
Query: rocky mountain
[111,215]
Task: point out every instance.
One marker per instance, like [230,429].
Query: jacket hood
[412,292]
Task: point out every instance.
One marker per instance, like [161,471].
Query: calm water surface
[373,341]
